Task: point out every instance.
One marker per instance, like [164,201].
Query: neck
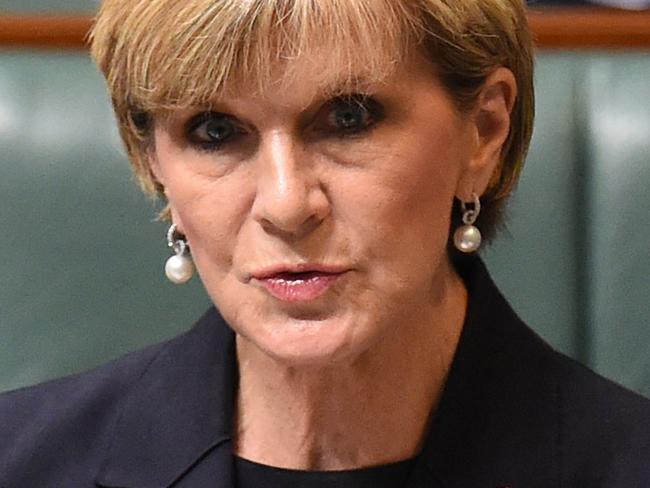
[369,411]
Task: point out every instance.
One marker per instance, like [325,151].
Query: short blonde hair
[161,55]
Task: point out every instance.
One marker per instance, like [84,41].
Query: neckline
[389,475]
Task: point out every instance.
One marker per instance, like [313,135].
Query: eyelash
[372,113]
[202,119]
[371,109]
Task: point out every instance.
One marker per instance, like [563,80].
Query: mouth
[298,285]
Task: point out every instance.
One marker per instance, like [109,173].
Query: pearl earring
[467,237]
[178,268]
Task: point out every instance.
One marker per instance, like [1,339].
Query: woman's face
[319,224]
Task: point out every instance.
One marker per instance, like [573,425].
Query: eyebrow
[340,86]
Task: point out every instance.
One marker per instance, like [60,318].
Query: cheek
[208,210]
[405,201]
[211,221]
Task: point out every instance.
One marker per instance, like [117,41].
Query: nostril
[289,230]
[290,206]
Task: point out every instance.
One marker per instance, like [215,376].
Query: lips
[300,285]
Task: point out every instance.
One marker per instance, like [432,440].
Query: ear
[490,126]
[156,171]
[154,166]
[175,218]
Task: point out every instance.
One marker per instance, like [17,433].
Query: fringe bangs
[165,55]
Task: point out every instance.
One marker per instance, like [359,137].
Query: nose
[290,199]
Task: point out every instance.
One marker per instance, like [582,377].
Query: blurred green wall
[86,6]
[81,277]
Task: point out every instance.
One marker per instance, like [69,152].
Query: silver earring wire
[471,214]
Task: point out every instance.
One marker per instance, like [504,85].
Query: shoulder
[61,425]
[603,428]
[560,418]
[60,433]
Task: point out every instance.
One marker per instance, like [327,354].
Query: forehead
[304,78]
[304,81]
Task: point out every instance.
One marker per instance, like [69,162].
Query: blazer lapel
[497,421]
[175,427]
[214,470]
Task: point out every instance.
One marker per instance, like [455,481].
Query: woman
[311,154]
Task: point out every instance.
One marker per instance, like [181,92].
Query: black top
[255,475]
[513,413]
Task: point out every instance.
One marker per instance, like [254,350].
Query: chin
[302,342]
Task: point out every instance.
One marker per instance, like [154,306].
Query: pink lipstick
[298,286]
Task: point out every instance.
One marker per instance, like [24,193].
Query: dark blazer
[514,413]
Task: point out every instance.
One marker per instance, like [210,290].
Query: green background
[81,277]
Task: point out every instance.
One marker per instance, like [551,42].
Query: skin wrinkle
[318,379]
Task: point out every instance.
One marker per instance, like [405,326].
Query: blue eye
[211,130]
[353,114]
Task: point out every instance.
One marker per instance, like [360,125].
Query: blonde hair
[161,55]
